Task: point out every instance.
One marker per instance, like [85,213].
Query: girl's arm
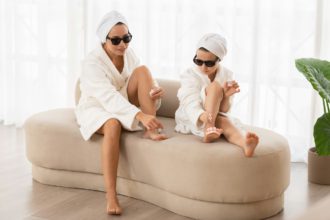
[229,89]
[225,104]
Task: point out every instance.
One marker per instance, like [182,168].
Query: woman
[116,93]
[206,94]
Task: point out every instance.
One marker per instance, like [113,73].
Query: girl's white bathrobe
[103,93]
[192,97]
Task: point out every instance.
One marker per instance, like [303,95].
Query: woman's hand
[148,121]
[156,93]
[230,88]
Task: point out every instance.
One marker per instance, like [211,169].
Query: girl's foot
[211,134]
[154,135]
[251,143]
[113,207]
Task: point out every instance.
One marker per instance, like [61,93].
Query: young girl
[206,94]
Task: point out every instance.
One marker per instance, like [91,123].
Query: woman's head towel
[214,43]
[108,21]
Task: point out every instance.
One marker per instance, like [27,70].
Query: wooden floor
[23,198]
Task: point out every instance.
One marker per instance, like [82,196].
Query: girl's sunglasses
[116,40]
[208,63]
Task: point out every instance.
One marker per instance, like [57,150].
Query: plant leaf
[322,134]
[317,72]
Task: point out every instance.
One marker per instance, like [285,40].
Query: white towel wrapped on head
[214,43]
[108,21]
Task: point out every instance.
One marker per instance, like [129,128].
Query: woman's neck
[118,61]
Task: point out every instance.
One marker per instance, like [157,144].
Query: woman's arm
[94,83]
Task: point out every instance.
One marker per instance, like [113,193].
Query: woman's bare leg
[236,136]
[111,130]
[214,95]
[139,87]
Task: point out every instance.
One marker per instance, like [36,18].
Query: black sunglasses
[116,40]
[208,63]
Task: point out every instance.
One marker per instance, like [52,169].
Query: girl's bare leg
[234,135]
[139,86]
[214,95]
[111,130]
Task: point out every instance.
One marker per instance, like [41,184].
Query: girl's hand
[203,117]
[148,121]
[230,88]
[206,117]
[156,93]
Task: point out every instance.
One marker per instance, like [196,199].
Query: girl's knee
[214,87]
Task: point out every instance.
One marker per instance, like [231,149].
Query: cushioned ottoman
[181,174]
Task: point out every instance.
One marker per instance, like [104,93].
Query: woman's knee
[142,71]
[111,126]
[142,68]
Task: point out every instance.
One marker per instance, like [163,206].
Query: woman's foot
[113,207]
[211,134]
[251,143]
[154,135]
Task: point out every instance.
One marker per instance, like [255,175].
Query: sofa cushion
[182,164]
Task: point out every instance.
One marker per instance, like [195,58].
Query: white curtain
[44,41]
[40,42]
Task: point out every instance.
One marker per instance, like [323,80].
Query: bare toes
[114,211]
[160,137]
[113,207]
[251,142]
[249,134]
[211,134]
[154,135]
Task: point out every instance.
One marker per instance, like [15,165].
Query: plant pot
[318,168]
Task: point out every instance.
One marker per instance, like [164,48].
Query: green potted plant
[317,72]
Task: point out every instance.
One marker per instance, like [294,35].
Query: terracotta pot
[318,167]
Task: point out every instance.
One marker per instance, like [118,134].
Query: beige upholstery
[182,174]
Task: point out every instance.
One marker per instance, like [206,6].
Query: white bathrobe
[103,93]
[192,97]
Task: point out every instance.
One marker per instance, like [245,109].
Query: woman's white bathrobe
[192,97]
[103,93]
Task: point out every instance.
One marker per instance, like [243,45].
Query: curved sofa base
[177,204]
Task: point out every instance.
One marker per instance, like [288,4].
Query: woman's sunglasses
[208,63]
[116,40]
